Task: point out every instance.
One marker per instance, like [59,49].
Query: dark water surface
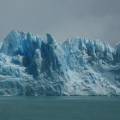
[60,108]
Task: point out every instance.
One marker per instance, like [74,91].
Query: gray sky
[94,19]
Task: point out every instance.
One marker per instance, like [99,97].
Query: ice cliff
[30,65]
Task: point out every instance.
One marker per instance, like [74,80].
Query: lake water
[60,108]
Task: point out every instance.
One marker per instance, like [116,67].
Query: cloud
[95,19]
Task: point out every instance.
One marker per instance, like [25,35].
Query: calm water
[59,108]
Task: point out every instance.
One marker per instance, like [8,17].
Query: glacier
[35,66]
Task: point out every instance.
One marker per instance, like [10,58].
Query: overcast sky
[94,19]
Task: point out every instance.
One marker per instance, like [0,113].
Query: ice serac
[30,65]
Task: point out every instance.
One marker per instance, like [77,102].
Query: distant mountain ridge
[33,66]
